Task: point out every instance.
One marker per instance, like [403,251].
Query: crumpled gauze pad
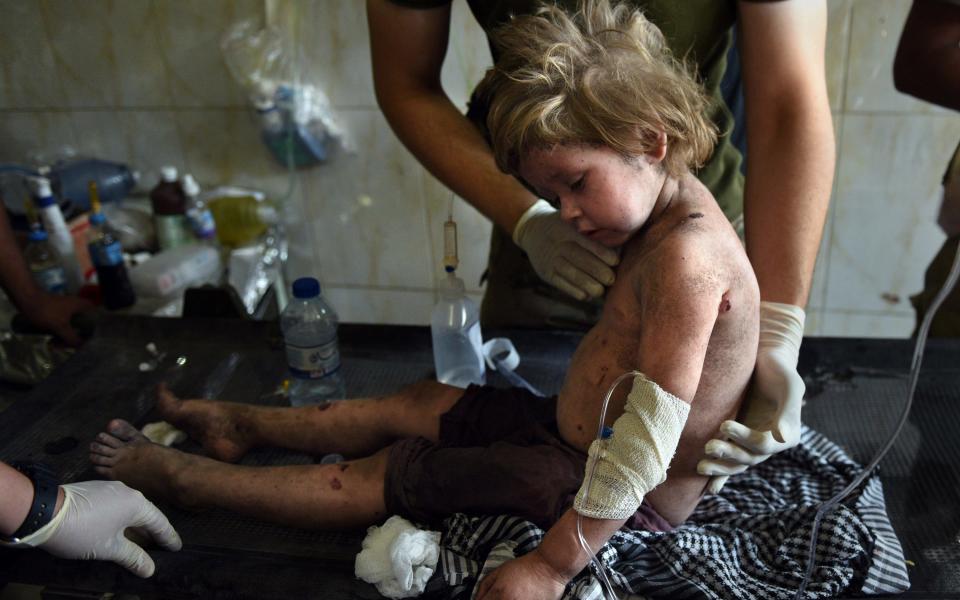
[398,558]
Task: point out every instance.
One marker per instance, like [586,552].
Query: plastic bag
[297,122]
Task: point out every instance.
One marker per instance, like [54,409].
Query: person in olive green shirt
[927,66]
[542,273]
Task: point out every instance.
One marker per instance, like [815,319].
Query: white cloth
[398,558]
[635,458]
[163,433]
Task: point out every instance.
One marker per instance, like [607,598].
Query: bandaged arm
[634,460]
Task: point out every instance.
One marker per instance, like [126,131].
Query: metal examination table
[855,392]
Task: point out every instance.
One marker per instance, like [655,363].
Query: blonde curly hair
[602,75]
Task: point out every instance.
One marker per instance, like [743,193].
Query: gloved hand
[561,256]
[90,525]
[769,419]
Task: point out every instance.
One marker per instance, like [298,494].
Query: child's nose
[568,210]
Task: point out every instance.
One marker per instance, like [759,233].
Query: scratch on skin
[335,484]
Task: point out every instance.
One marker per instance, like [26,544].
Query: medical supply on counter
[309,328]
[240,216]
[171,271]
[44,262]
[198,215]
[455,331]
[169,205]
[107,256]
[58,232]
[69,180]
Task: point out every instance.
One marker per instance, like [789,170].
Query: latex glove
[91,522]
[769,419]
[562,257]
[50,312]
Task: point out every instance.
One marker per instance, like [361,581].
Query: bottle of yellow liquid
[241,219]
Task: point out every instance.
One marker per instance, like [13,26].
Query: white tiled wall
[143,81]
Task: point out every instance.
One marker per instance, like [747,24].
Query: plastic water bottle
[457,341]
[309,328]
[44,263]
[58,232]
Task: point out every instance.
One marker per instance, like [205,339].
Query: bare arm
[407,48]
[16,493]
[928,58]
[791,152]
[679,306]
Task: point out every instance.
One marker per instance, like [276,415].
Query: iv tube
[603,432]
[450,260]
[916,362]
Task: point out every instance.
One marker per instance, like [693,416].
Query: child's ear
[659,150]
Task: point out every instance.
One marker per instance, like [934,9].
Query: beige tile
[108,53]
[838,44]
[368,211]
[866,325]
[190,35]
[886,200]
[380,306]
[153,140]
[223,147]
[813,324]
[28,73]
[336,50]
[875,33]
[35,136]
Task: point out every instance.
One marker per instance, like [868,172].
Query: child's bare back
[690,228]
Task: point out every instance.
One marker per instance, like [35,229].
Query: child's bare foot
[124,454]
[219,426]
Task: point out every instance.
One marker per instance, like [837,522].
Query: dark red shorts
[499,452]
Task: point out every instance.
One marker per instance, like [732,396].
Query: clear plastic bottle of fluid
[44,263]
[457,342]
[309,328]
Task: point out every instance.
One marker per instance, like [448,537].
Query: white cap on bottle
[190,187]
[168,173]
[40,186]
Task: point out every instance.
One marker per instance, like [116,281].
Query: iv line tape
[502,356]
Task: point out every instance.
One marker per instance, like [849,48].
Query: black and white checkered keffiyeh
[750,541]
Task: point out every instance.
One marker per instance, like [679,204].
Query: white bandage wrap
[635,458]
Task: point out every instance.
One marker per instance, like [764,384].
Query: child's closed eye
[578,184]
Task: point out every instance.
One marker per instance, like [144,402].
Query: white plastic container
[58,232]
[457,340]
[171,271]
[309,328]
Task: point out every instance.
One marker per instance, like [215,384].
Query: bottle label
[171,231]
[106,255]
[52,280]
[313,362]
[201,221]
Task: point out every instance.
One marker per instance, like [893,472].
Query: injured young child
[590,111]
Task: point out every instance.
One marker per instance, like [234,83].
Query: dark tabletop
[855,392]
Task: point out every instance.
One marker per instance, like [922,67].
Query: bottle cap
[37,235]
[306,287]
[40,186]
[97,218]
[190,186]
[168,174]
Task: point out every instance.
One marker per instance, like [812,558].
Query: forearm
[790,166]
[16,494]
[561,547]
[453,150]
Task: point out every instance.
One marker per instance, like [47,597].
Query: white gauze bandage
[635,458]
